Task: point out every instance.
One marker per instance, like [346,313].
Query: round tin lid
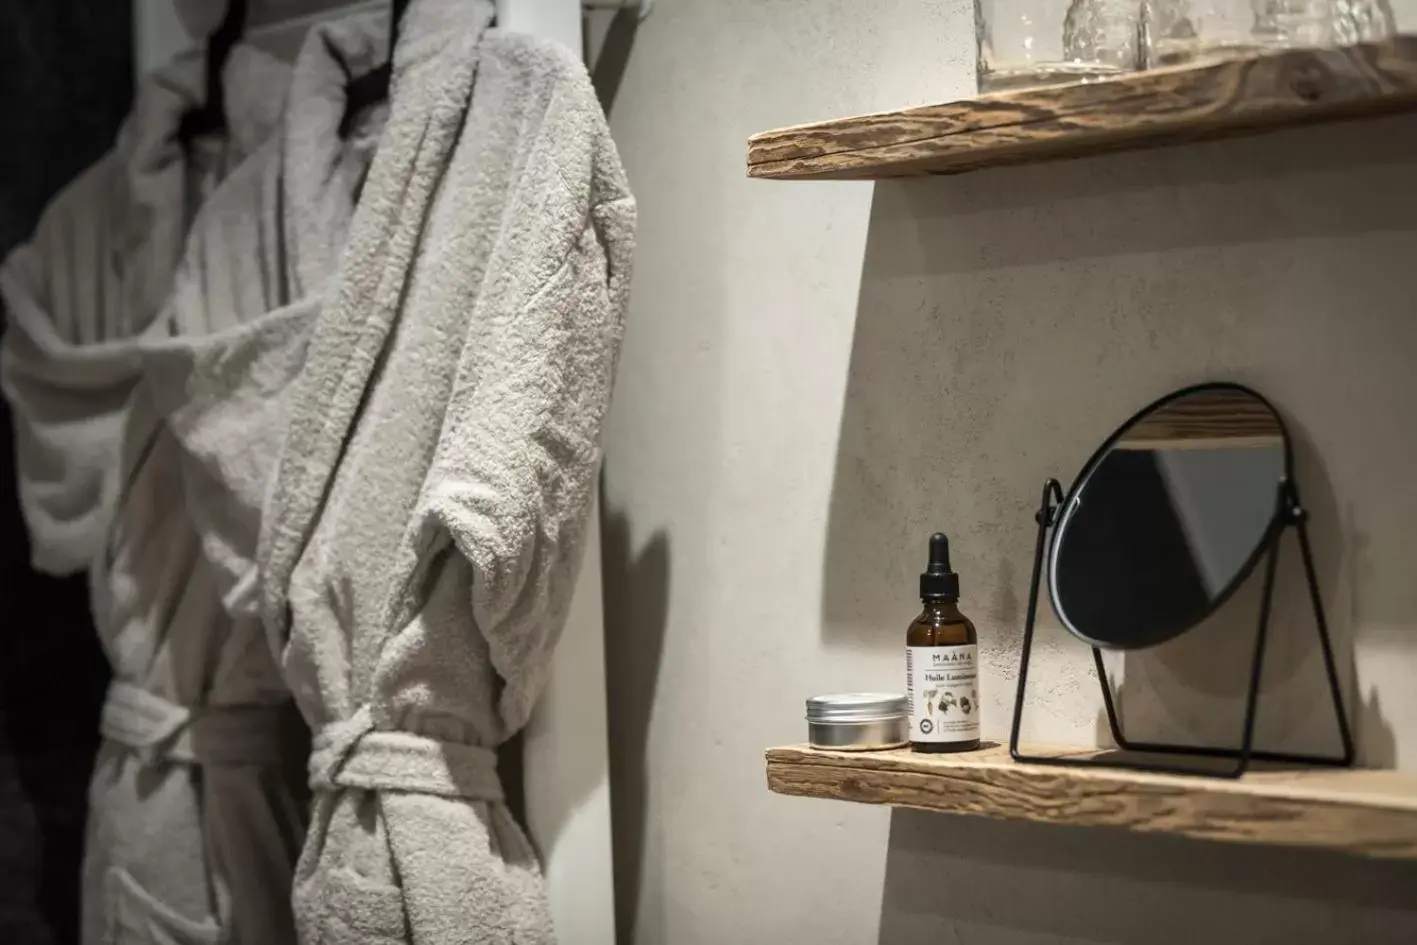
[856,707]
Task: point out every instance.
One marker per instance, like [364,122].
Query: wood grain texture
[1145,109]
[1206,420]
[1361,812]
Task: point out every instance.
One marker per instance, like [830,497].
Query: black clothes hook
[211,116]
[373,86]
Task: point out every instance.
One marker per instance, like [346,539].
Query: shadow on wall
[966,880]
[636,614]
[1009,320]
[611,55]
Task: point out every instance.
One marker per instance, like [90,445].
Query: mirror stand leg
[1300,519]
[1252,697]
[1046,512]
[1114,724]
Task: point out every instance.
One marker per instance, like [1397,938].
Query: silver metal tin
[857,721]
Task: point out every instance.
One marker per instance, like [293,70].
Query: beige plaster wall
[818,374]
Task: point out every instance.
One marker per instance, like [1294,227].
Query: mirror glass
[1168,517]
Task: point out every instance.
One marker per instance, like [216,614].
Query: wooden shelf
[1362,812]
[1144,109]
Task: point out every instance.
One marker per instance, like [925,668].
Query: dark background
[66,79]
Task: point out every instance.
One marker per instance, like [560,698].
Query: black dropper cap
[937,581]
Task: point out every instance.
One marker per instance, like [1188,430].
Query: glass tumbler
[1334,23]
[1176,32]
[1028,43]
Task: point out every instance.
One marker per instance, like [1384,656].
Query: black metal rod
[1252,698]
[1044,518]
[1125,764]
[1210,751]
[1301,518]
[1113,723]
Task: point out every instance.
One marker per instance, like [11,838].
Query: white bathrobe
[91,280]
[421,535]
[247,294]
[194,815]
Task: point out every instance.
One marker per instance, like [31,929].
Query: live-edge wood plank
[1162,106]
[1362,812]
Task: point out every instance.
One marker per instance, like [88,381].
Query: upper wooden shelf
[1143,109]
[1368,813]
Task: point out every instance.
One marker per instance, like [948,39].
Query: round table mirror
[1168,517]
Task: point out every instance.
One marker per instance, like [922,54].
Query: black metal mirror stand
[1289,513]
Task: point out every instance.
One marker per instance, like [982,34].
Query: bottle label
[942,686]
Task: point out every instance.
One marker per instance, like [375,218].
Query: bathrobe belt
[209,735]
[353,754]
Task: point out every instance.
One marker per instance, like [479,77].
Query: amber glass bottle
[942,662]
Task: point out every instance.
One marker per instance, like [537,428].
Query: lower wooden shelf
[1363,812]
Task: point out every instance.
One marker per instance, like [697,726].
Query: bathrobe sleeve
[71,300]
[517,460]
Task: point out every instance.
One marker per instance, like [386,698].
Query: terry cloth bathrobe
[261,248]
[422,531]
[193,815]
[91,280]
